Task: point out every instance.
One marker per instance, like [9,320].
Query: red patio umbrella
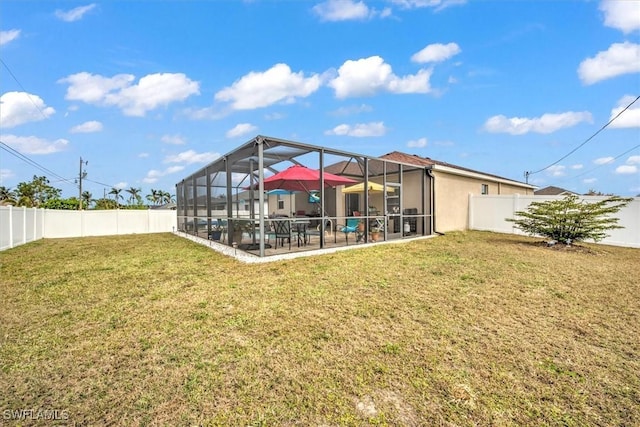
[301,178]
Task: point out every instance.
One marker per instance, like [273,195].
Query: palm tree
[7,195]
[155,197]
[134,195]
[116,195]
[167,197]
[87,198]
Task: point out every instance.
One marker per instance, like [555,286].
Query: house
[405,195]
[452,186]
[552,191]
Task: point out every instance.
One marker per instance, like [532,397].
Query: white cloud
[603,160]
[633,160]
[367,76]
[207,113]
[17,108]
[556,170]
[342,10]
[173,139]
[257,90]
[8,36]
[353,109]
[547,123]
[436,53]
[359,130]
[626,169]
[154,175]
[589,180]
[151,92]
[74,14]
[576,167]
[622,15]
[619,59]
[417,143]
[6,173]
[274,116]
[241,129]
[438,5]
[190,156]
[143,155]
[628,119]
[121,185]
[277,84]
[87,127]
[34,145]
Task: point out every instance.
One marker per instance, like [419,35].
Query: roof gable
[552,191]
[426,161]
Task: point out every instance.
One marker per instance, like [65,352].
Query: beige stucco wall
[452,197]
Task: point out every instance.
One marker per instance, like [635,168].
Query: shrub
[570,219]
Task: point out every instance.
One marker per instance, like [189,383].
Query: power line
[599,166]
[23,89]
[587,140]
[99,183]
[33,163]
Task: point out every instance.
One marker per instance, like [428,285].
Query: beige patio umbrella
[373,187]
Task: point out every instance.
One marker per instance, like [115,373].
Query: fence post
[516,204]
[24,225]
[10,226]
[471,211]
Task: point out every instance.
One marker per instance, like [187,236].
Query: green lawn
[464,329]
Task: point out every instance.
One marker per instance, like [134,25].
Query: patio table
[300,228]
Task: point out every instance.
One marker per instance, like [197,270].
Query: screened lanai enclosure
[272,196]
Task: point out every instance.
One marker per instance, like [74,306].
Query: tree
[155,197]
[70,204]
[36,193]
[7,196]
[116,195]
[593,192]
[134,196]
[166,197]
[570,219]
[105,203]
[87,198]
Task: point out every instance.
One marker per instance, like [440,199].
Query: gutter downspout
[433,200]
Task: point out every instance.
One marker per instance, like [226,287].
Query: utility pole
[81,175]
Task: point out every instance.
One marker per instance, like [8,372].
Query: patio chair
[351,227]
[282,231]
[316,231]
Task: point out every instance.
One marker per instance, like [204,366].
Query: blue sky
[148,92]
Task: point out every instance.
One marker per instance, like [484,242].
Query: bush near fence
[489,213]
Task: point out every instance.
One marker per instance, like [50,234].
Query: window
[280,202]
[485,189]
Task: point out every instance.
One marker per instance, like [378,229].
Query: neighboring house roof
[438,165]
[552,191]
[171,205]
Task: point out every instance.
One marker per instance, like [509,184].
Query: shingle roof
[426,161]
[552,191]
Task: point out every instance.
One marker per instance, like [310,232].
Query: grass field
[464,329]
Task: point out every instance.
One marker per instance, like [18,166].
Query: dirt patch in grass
[562,247]
[464,329]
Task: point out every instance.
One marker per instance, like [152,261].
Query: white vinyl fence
[488,213]
[23,225]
